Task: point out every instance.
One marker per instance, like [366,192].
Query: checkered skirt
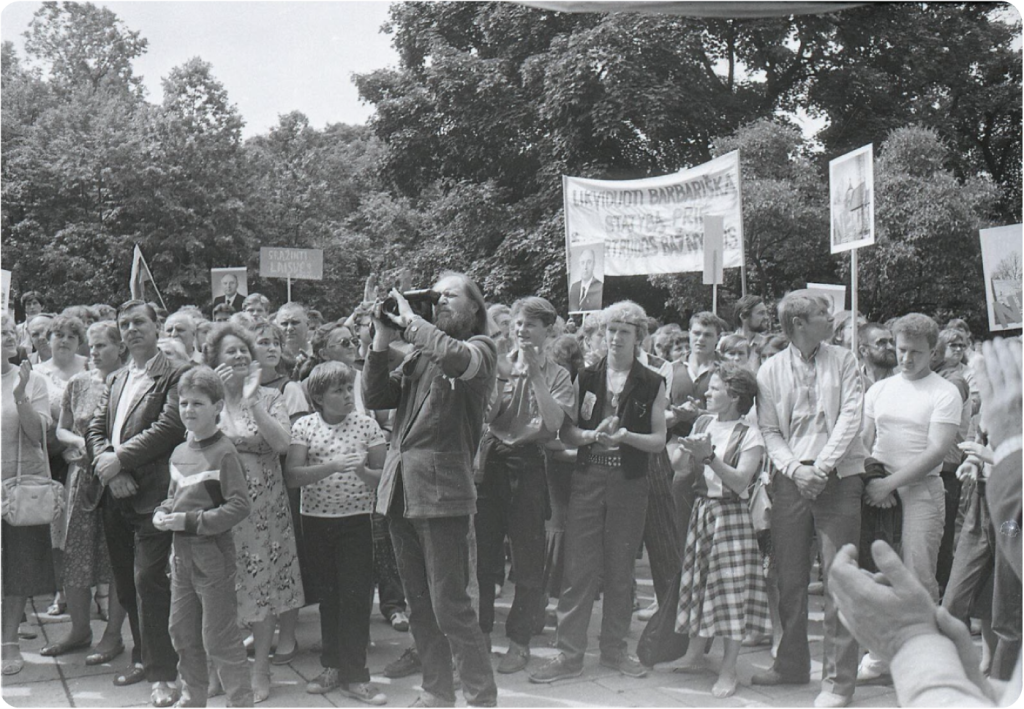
[722,592]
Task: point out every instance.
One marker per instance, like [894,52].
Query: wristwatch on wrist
[711,458]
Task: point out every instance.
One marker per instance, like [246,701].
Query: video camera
[421,301]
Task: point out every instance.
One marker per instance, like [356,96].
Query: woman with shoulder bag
[26,557]
[86,560]
[722,591]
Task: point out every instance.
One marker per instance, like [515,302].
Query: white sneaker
[831,700]
[871,668]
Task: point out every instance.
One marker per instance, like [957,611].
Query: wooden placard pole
[853,299]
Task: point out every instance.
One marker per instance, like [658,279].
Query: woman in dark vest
[619,423]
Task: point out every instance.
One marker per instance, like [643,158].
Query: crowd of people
[222,473]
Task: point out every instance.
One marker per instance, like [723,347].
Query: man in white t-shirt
[910,421]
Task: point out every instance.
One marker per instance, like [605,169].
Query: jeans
[433,561]
[512,499]
[204,618]
[924,516]
[343,549]
[138,559]
[605,526]
[835,517]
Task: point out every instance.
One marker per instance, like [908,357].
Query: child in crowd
[336,456]
[207,497]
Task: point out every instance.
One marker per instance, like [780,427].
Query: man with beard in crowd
[754,321]
[877,352]
[440,391]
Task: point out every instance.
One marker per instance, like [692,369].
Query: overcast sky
[272,57]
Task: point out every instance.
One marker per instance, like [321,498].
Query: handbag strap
[46,453]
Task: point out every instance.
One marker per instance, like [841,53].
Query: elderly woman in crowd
[86,559]
[25,555]
[256,421]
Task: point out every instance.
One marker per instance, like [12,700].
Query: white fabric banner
[655,225]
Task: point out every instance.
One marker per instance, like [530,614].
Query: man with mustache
[877,350]
[440,391]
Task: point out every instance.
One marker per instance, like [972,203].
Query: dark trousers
[343,549]
[606,523]
[307,565]
[433,561]
[512,500]
[683,496]
[951,488]
[204,618]
[139,555]
[835,517]
[976,562]
[385,570]
[661,536]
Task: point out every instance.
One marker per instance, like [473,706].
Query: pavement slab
[67,682]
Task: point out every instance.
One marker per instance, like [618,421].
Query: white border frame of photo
[217,274]
[858,168]
[997,244]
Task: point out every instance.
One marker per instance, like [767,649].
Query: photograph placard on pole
[1001,261]
[229,285]
[5,290]
[852,199]
[835,293]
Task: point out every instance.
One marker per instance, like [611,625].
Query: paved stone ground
[67,682]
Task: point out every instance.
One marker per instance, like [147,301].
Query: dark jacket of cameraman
[440,392]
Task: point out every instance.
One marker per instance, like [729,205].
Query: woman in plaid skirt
[722,592]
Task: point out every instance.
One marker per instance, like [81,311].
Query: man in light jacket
[809,409]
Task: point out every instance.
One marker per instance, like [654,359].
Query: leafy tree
[84,46]
[189,203]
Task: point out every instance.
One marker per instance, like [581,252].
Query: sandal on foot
[57,608]
[62,647]
[164,695]
[103,657]
[12,665]
[133,674]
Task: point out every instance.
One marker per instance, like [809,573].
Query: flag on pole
[141,275]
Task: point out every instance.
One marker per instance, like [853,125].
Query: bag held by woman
[31,499]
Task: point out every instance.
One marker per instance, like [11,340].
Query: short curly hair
[67,323]
[740,382]
[630,313]
[211,349]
